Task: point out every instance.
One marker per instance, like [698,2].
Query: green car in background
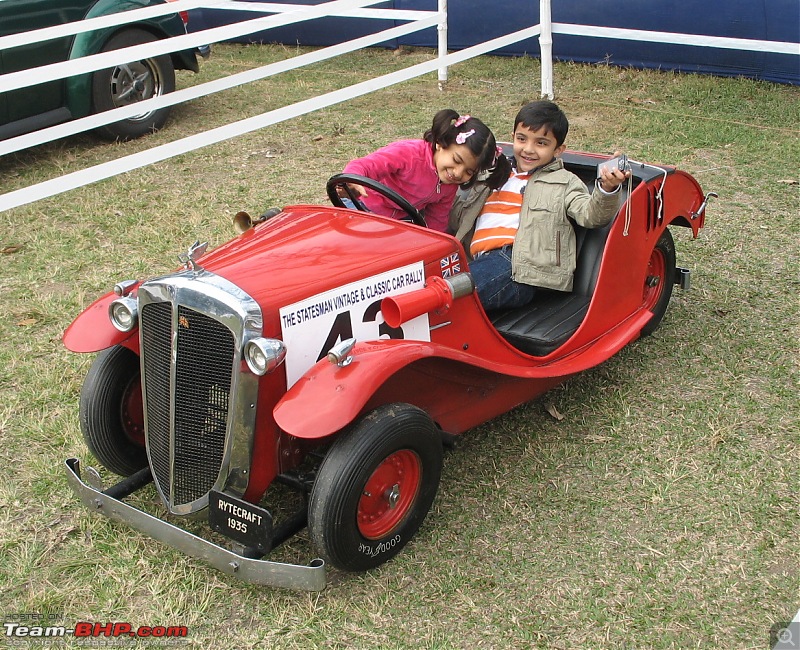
[36,107]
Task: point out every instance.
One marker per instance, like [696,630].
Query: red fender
[329,397]
[338,393]
[93,331]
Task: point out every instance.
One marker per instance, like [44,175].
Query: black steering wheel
[344,180]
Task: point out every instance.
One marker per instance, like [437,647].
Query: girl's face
[455,164]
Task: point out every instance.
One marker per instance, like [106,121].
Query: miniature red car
[328,352]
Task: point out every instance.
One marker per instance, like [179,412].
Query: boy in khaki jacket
[519,236]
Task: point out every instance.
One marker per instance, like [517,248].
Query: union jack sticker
[450,265]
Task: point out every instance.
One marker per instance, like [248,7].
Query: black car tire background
[107,384]
[343,475]
[162,73]
[665,247]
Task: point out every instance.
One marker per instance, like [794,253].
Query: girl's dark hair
[481,143]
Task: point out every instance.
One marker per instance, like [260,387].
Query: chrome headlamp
[264,355]
[124,313]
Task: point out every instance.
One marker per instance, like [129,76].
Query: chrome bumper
[260,572]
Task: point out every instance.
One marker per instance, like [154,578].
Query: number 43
[342,328]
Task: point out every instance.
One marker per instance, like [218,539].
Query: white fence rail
[219,134]
[210,87]
[284,14]
[25,78]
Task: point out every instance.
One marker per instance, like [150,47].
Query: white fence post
[546,48]
[442,32]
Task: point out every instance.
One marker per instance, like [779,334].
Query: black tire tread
[100,413]
[348,464]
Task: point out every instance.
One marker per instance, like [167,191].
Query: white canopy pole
[546,48]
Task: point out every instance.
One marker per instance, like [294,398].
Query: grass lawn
[660,512]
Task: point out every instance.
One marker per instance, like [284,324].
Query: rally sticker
[313,326]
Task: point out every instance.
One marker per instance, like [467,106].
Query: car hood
[307,250]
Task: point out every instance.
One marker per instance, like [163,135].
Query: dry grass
[661,512]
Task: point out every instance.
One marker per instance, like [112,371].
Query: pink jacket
[407,167]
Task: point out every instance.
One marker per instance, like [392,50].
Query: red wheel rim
[389,494]
[132,412]
[654,281]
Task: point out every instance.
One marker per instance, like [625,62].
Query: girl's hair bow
[461,138]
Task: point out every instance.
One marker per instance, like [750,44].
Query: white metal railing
[549,28]
[25,78]
[93,121]
[222,133]
[419,20]
[285,14]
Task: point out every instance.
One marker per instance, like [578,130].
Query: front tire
[130,83]
[659,280]
[111,411]
[375,487]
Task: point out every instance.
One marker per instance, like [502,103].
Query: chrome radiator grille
[156,332]
[193,386]
[202,388]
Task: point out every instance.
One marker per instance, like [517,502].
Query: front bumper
[261,572]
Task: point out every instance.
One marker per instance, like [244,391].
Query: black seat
[554,316]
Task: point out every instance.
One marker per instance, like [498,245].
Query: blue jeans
[496,290]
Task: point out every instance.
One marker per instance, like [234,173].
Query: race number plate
[240,520]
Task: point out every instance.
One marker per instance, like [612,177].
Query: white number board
[313,326]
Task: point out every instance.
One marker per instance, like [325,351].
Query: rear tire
[659,280]
[132,82]
[375,487]
[111,411]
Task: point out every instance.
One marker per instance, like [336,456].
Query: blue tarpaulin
[475,21]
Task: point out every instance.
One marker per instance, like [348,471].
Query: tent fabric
[470,23]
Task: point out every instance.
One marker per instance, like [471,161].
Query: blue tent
[475,21]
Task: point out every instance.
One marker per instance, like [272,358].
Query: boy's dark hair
[543,113]
[448,124]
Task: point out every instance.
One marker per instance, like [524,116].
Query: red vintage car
[325,354]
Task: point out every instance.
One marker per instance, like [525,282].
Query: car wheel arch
[79,87]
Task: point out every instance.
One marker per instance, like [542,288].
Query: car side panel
[3,115]
[16,17]
[624,266]
[458,390]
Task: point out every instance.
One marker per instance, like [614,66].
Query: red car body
[320,275]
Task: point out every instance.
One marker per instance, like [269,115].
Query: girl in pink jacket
[454,152]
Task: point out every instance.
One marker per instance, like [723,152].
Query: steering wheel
[343,180]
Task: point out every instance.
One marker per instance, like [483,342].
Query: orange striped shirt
[498,221]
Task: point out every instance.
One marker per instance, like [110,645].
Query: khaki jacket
[545,250]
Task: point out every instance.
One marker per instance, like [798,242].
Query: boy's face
[534,149]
